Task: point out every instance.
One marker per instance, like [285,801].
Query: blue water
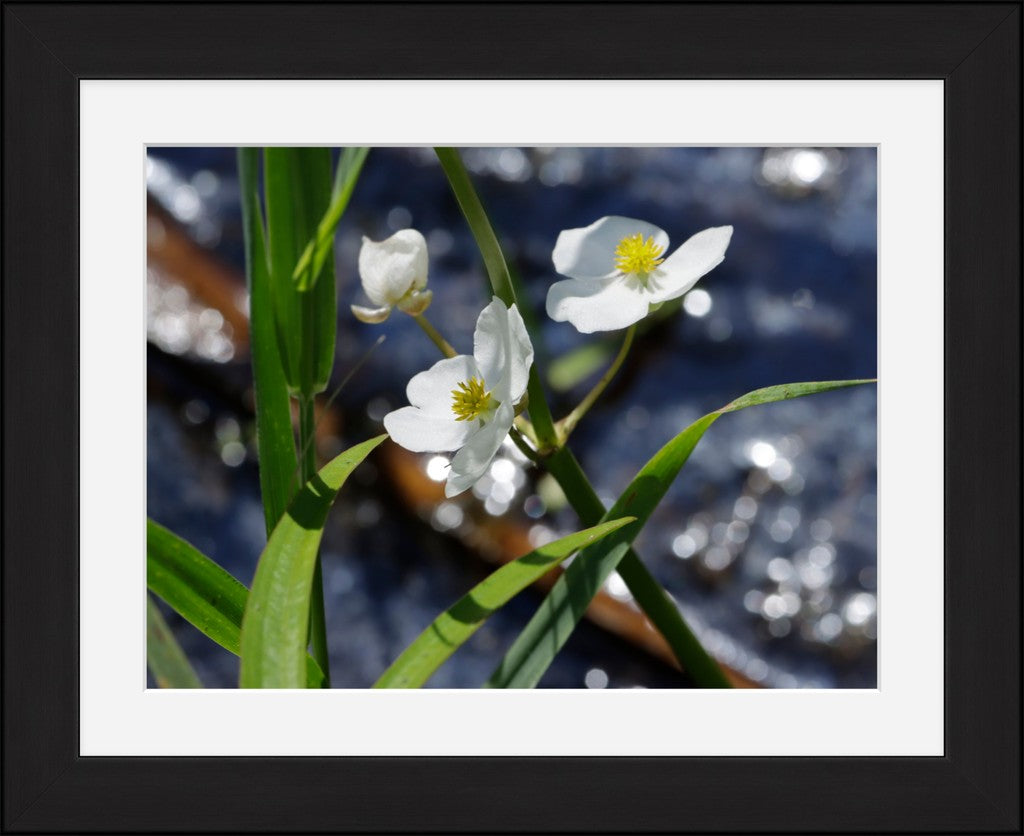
[767,539]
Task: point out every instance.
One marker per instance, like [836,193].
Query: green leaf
[787,391]
[276,619]
[645,589]
[297,183]
[166,659]
[350,163]
[275,441]
[453,627]
[549,629]
[200,591]
[500,278]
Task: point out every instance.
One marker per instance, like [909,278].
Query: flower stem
[317,616]
[499,276]
[569,422]
[435,335]
[526,428]
[524,446]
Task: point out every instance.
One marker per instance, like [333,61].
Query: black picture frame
[974,47]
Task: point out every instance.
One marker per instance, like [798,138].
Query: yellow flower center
[635,255]
[469,400]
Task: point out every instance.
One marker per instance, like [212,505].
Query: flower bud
[393,272]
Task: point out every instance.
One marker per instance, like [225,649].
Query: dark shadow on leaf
[309,509]
[469,611]
[539,558]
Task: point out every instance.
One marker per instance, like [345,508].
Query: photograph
[449,417]
[548,418]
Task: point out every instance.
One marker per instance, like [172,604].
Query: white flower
[468,403]
[616,271]
[394,272]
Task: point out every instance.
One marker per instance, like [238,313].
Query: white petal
[421,432]
[598,304]
[503,350]
[416,302]
[371,315]
[389,269]
[472,461]
[431,390]
[589,252]
[698,256]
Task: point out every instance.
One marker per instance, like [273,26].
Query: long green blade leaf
[645,589]
[297,183]
[452,628]
[498,273]
[350,164]
[274,626]
[166,659]
[275,441]
[787,391]
[200,591]
[479,224]
[549,629]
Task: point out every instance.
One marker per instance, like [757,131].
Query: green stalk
[312,260]
[317,615]
[524,446]
[569,422]
[275,438]
[646,590]
[435,336]
[297,189]
[501,280]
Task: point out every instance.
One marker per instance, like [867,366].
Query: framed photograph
[525,222]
